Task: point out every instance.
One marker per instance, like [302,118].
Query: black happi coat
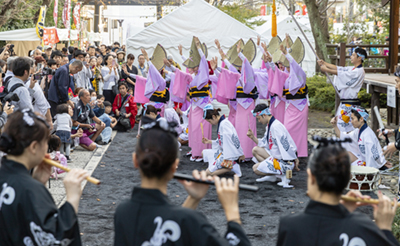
[148,218]
[28,214]
[322,224]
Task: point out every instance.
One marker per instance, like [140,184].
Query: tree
[317,12]
[17,14]
[241,11]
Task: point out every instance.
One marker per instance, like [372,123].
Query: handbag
[114,89]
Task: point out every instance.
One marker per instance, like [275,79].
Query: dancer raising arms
[348,82]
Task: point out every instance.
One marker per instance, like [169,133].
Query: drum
[363,178]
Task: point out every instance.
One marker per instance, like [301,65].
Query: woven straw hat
[194,56]
[249,51]
[278,56]
[297,50]
[158,57]
[232,55]
[274,44]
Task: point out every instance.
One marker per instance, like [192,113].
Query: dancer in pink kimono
[240,110]
[155,86]
[275,85]
[296,113]
[199,92]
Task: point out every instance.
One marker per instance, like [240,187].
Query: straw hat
[249,50]
[274,44]
[232,54]
[297,50]
[194,56]
[278,56]
[158,57]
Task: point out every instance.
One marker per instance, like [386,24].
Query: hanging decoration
[273,28]
[55,12]
[40,22]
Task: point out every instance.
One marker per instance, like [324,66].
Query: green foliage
[396,225]
[240,12]
[321,94]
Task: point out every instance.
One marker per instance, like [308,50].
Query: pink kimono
[199,81]
[155,83]
[296,113]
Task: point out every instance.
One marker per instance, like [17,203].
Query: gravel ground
[260,212]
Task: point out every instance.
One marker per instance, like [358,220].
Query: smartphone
[93,98]
[113,63]
[84,63]
[37,77]
[39,66]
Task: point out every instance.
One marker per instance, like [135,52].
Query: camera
[48,71]
[11,49]
[11,97]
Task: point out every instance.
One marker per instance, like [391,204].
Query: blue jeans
[106,134]
[106,119]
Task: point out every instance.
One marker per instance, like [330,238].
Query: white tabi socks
[236,169]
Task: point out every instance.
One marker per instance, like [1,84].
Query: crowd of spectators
[83,94]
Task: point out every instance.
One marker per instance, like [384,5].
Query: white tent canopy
[194,18]
[29,34]
[285,24]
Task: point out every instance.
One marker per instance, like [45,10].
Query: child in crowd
[63,125]
[108,111]
[54,145]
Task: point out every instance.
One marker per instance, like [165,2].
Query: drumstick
[190,178]
[248,119]
[58,165]
[369,201]
[202,130]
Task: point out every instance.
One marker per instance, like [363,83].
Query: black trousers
[53,108]
[109,96]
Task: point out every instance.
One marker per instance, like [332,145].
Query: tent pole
[308,41]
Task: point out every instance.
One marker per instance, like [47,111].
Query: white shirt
[366,147]
[349,81]
[110,79]
[279,144]
[228,141]
[63,122]
[41,104]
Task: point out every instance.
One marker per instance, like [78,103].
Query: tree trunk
[44,3]
[4,16]
[319,26]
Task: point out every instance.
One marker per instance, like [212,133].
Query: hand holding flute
[56,164]
[384,208]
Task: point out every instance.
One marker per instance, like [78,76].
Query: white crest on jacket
[355,241]
[7,195]
[169,230]
[43,238]
[232,239]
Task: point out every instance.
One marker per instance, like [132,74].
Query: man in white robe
[276,152]
[348,82]
[365,149]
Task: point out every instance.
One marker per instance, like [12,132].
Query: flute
[369,201]
[58,165]
[190,178]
